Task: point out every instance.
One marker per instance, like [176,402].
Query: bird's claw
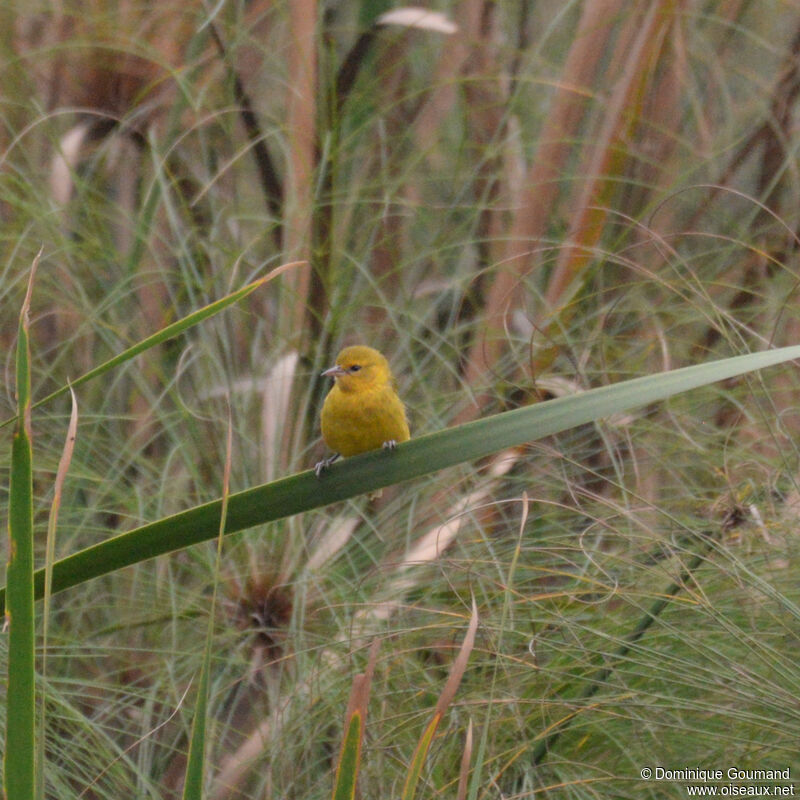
[321,466]
[390,444]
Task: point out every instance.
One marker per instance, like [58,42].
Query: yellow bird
[362,410]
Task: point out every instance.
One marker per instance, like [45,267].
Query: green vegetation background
[516,202]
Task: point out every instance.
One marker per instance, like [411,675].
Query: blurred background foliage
[514,200]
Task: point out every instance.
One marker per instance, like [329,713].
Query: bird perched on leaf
[362,411]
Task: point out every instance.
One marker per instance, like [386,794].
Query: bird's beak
[334,372]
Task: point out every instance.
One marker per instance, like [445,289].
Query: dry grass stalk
[543,181]
[392,84]
[608,155]
[301,133]
[445,81]
[236,766]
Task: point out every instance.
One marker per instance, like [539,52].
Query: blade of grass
[380,468]
[19,773]
[301,122]
[445,699]
[344,787]
[195,766]
[170,332]
[466,758]
[52,522]
[606,160]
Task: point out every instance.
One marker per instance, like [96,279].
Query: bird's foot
[321,466]
[391,444]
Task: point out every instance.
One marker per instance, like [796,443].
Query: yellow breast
[356,421]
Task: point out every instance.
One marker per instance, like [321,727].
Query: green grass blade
[195,770]
[418,759]
[170,332]
[346,778]
[457,671]
[377,469]
[19,775]
[349,758]
[195,766]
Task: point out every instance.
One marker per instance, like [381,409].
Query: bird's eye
[355,368]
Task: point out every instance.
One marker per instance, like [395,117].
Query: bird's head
[358,368]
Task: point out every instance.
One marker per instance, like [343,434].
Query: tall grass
[551,199]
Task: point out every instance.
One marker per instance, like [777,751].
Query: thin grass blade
[445,698]
[346,780]
[50,549]
[466,760]
[195,766]
[19,773]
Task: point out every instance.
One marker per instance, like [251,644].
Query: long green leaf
[374,470]
[19,776]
